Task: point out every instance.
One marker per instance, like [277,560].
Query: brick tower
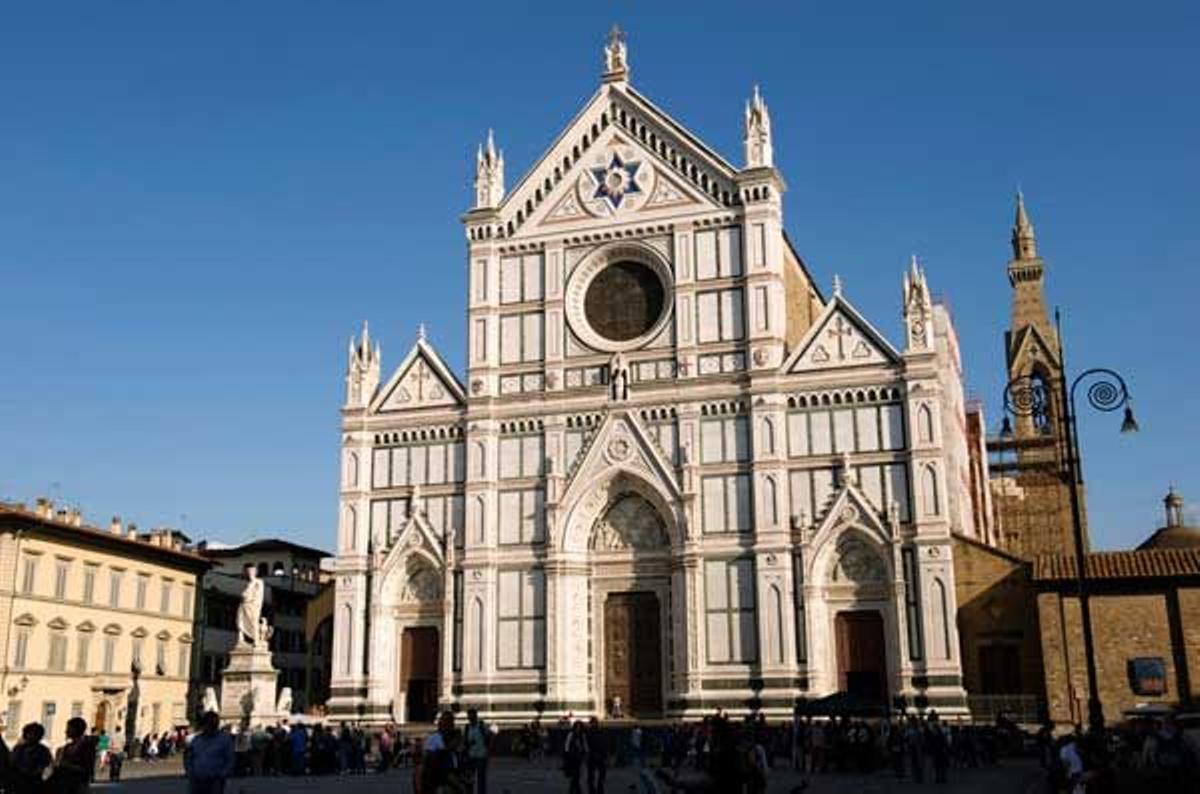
[1029,483]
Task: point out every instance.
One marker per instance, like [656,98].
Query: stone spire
[616,57]
[489,175]
[1024,242]
[362,370]
[759,152]
[1026,271]
[918,308]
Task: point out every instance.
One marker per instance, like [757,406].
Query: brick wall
[995,605]
[1123,627]
[1189,612]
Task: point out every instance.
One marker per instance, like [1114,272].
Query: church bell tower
[1029,481]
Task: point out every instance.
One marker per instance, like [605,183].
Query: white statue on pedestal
[250,612]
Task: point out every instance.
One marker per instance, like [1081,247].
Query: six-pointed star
[616,180]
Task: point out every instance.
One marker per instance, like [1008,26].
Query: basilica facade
[677,474]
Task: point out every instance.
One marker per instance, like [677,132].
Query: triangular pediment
[841,337]
[620,442]
[1027,347]
[416,534]
[620,157]
[850,507]
[421,381]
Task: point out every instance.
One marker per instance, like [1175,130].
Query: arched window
[775,623]
[925,424]
[476,633]
[480,455]
[351,533]
[343,636]
[770,503]
[480,520]
[929,491]
[941,614]
[768,437]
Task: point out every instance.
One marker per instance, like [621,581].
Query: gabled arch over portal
[604,493]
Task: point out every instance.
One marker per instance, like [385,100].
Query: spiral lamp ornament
[1106,389]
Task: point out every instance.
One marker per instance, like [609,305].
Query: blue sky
[199,205]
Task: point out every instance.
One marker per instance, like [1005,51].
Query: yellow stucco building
[93,623]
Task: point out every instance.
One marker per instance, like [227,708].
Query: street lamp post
[1032,397]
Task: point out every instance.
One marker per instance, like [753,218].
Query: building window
[912,605]
[62,569]
[83,647]
[520,337]
[725,439]
[164,605]
[726,503]
[143,585]
[729,609]
[29,574]
[185,652]
[110,653]
[719,316]
[521,619]
[13,719]
[49,710]
[76,708]
[21,648]
[160,660]
[189,595]
[1147,676]
[136,646]
[58,651]
[520,279]
[457,637]
[522,516]
[114,589]
[521,456]
[89,583]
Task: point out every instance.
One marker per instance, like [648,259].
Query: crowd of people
[717,754]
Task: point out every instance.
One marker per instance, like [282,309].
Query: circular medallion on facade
[619,449]
[849,514]
[619,298]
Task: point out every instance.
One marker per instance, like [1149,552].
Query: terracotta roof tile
[1144,564]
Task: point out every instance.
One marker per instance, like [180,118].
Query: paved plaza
[509,776]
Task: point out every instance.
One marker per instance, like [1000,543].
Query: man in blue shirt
[208,760]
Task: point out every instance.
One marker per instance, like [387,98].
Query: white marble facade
[658,400]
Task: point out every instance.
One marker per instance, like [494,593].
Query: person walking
[208,760]
[597,757]
[479,742]
[575,750]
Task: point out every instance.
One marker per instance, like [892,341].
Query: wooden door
[100,723]
[419,654]
[633,653]
[862,655]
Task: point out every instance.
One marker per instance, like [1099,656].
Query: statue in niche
[630,522]
[618,378]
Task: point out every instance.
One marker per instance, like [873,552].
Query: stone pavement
[508,776]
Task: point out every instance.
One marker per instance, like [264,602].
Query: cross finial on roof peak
[420,332]
[616,56]
[837,285]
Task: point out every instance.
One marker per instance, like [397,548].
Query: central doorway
[633,654]
[419,652]
[862,655]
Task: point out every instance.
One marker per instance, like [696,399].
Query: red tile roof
[1145,564]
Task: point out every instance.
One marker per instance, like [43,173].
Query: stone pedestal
[248,687]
